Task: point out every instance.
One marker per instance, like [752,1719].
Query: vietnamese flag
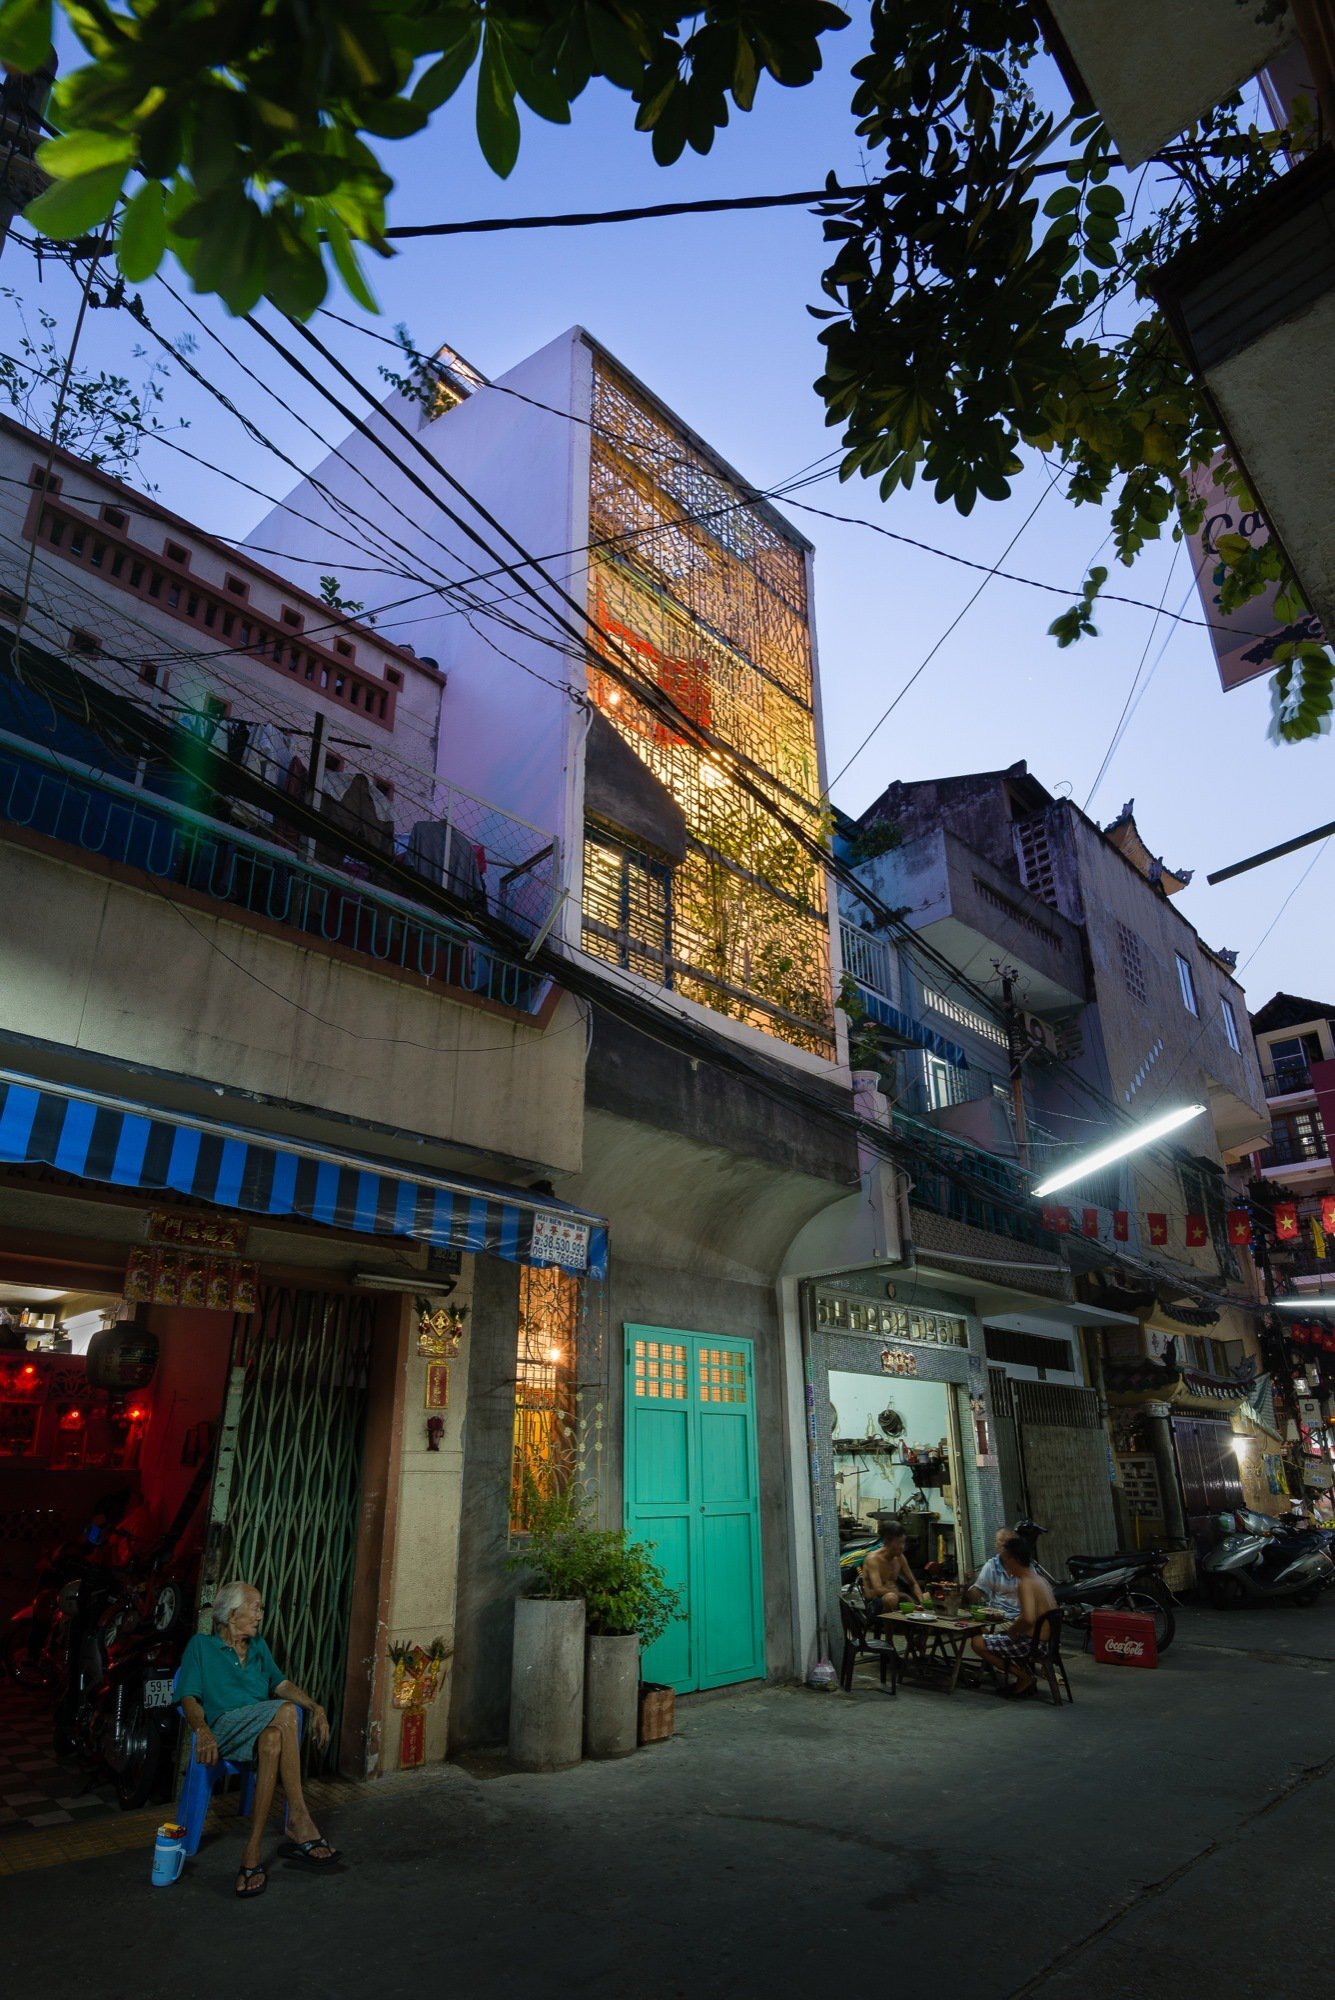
[1158,1228]
[1089,1222]
[1056,1218]
[1240,1226]
[1328,1213]
[1121,1225]
[1286,1221]
[1197,1233]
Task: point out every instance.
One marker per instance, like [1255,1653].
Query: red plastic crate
[1124,1638]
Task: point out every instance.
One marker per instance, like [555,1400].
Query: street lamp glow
[1117,1149]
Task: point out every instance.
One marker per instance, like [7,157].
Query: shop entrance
[692,1489]
[896,1451]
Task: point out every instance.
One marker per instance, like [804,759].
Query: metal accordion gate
[287,1480]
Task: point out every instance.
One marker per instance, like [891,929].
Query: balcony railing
[1289,1148]
[954,1179]
[110,817]
[1288,1080]
[867,959]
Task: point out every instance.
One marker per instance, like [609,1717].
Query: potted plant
[628,1604]
[547,1669]
[598,1583]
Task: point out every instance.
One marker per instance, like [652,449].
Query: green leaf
[25,33]
[84,152]
[497,119]
[142,237]
[71,208]
[1105,200]
[1062,202]
[345,261]
[392,117]
[440,82]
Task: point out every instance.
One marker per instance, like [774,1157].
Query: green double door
[692,1489]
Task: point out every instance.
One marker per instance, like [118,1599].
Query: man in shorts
[885,1576]
[1009,1650]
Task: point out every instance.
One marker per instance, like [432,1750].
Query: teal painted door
[693,1490]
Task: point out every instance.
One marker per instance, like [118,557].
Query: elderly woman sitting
[241,1706]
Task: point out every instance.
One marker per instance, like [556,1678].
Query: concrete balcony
[972,911]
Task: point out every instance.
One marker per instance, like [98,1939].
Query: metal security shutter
[1064,1452]
[300,1362]
[1004,1428]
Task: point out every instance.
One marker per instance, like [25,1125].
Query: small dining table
[935,1646]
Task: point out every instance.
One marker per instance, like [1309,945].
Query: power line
[1116,736]
[488,225]
[929,656]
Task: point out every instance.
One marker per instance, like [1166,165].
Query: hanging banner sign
[558,1240]
[1244,640]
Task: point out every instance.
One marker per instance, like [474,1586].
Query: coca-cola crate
[1124,1638]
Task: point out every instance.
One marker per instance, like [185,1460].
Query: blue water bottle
[168,1855]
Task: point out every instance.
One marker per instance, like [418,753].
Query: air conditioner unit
[1040,1034]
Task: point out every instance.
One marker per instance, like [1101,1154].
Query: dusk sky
[710,312]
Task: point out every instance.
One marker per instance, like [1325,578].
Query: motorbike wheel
[132,1750]
[18,1660]
[1152,1606]
[1306,1597]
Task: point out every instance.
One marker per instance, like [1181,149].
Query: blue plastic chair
[197,1791]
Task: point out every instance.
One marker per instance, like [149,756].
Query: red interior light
[72,1420]
[31,1369]
[137,1415]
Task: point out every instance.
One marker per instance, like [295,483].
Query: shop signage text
[843,1315]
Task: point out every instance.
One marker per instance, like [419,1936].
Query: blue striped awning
[908,1030]
[127,1145]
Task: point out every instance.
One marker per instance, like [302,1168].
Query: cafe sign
[837,1314]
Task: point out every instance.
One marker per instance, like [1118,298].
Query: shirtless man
[885,1576]
[1009,1649]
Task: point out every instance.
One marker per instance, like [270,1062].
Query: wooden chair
[1048,1666]
[858,1640]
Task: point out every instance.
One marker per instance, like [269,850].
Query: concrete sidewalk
[788,1843]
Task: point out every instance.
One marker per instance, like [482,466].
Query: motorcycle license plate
[158,1694]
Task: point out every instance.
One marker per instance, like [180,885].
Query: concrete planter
[547,1684]
[611,1695]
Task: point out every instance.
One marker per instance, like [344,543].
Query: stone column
[1165,1462]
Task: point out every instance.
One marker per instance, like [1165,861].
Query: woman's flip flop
[303,1851]
[246,1877]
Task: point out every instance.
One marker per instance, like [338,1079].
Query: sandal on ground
[247,1888]
[304,1852]
[1022,1694]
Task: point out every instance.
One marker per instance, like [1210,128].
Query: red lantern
[1299,1334]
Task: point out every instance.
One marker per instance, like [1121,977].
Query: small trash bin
[1124,1638]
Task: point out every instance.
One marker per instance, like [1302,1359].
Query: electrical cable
[1115,738]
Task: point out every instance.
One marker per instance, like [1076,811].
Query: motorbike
[130,1724]
[1254,1562]
[36,1643]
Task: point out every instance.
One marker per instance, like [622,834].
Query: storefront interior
[894,1454]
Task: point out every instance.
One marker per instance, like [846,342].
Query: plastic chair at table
[858,1640]
[1048,1664]
[192,1807]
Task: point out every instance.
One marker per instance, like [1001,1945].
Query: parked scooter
[1252,1562]
[131,1721]
[1132,1580]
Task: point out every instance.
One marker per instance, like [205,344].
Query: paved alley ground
[1171,1827]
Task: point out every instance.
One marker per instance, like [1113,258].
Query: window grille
[543,1461]
[627,907]
[1133,965]
[1035,852]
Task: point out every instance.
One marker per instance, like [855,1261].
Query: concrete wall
[98,966]
[484,1616]
[529,467]
[429,1507]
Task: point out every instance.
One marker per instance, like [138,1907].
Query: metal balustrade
[867,959]
[979,1189]
[107,816]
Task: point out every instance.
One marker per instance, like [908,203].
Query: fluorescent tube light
[1117,1149]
